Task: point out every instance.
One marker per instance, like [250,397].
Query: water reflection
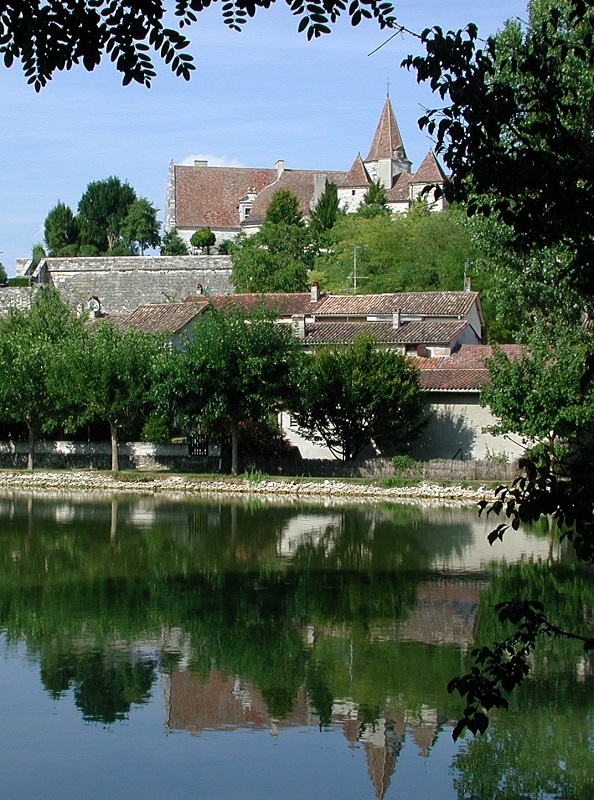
[268,617]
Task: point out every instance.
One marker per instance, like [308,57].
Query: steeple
[387,157]
[387,140]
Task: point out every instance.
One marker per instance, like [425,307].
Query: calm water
[153,648]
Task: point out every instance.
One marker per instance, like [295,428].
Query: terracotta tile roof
[430,171]
[357,176]
[400,192]
[208,196]
[161,317]
[448,380]
[281,303]
[463,370]
[472,356]
[434,304]
[387,137]
[411,333]
[299,182]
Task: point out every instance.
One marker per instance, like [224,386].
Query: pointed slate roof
[357,176]
[387,137]
[430,171]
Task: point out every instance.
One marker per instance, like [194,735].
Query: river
[154,647]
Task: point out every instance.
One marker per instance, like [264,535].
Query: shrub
[155,430]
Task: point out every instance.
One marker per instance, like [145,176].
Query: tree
[234,369]
[114,375]
[411,252]
[140,228]
[3,275]
[517,134]
[541,395]
[352,397]
[173,245]
[325,213]
[60,229]
[374,202]
[284,209]
[276,259]
[203,238]
[35,346]
[102,210]
[46,38]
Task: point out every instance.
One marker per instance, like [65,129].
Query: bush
[68,251]
[19,281]
[155,430]
[402,463]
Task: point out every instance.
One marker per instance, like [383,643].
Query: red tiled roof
[400,192]
[387,137]
[357,176]
[299,182]
[472,356]
[411,333]
[437,304]
[430,171]
[448,380]
[161,317]
[462,371]
[208,196]
[283,304]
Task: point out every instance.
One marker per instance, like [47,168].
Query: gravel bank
[176,484]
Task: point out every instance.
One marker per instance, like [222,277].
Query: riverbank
[151,483]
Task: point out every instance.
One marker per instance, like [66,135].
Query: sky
[257,96]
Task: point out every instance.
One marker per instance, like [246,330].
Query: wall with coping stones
[97,455]
[123,283]
[14,297]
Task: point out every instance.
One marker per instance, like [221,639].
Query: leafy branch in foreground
[49,36]
[504,665]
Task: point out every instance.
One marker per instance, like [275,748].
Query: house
[416,323]
[233,199]
[176,319]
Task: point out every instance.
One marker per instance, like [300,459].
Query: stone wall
[126,282]
[14,297]
[97,455]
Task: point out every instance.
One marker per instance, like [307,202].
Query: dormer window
[247,211]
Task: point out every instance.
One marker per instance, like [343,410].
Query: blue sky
[256,96]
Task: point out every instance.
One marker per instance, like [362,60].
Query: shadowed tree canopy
[49,36]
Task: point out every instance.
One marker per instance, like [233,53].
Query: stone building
[231,199]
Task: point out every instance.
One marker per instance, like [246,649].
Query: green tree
[357,395]
[112,377]
[541,395]
[140,228]
[3,275]
[173,245]
[35,345]
[411,252]
[517,133]
[60,229]
[276,259]
[234,369]
[325,213]
[374,202]
[203,239]
[102,210]
[284,209]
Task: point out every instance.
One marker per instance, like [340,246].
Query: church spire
[387,142]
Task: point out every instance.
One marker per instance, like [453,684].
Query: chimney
[280,168]
[397,319]
[298,323]
[467,284]
[315,292]
[201,163]
[320,181]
